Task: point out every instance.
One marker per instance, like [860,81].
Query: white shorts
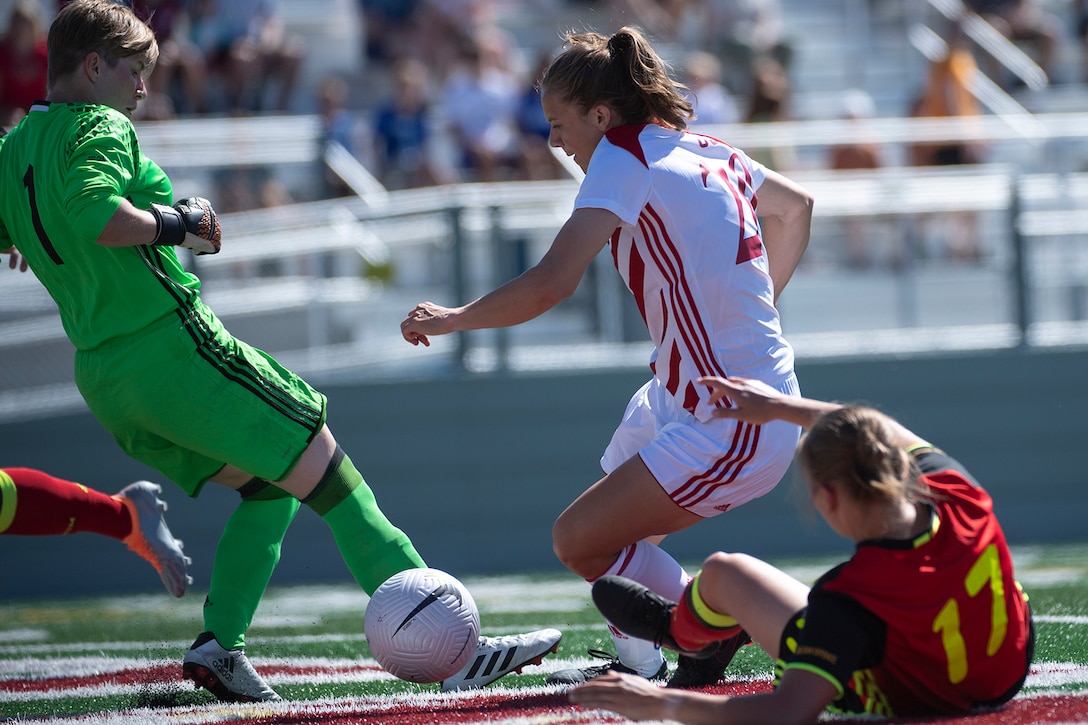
[705,468]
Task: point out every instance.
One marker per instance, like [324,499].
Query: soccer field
[117,659]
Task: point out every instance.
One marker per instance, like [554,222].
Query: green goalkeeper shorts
[185,397]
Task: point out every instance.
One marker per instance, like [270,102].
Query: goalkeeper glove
[190,223]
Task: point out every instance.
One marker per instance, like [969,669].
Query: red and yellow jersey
[931,625]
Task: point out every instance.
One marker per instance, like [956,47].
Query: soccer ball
[422,625]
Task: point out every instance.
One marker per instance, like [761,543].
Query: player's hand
[190,223]
[629,695]
[426,319]
[752,401]
[16,260]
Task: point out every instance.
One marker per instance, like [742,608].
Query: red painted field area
[158,684]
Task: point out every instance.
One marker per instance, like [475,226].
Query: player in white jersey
[705,238]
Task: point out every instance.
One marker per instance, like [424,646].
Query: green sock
[245,557]
[371,546]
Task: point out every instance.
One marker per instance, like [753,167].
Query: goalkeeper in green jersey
[93,217]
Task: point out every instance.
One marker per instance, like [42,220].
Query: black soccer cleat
[691,672]
[640,612]
[578,675]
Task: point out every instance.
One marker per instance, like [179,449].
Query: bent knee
[563,544]
[725,565]
[575,553]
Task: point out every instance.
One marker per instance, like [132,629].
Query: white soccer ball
[422,625]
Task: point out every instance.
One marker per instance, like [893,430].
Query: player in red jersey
[34,503]
[925,619]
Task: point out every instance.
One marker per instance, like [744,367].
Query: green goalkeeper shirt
[64,170]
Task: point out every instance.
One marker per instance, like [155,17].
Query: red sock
[690,630]
[33,503]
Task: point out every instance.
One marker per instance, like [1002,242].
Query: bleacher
[323,284]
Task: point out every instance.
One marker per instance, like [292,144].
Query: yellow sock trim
[8,501]
[709,617]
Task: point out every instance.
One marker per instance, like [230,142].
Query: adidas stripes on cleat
[640,612]
[578,675]
[226,673]
[151,538]
[496,657]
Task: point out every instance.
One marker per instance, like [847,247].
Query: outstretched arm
[757,402]
[799,699]
[534,292]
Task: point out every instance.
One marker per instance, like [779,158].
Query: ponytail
[622,71]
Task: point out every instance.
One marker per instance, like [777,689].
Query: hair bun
[620,43]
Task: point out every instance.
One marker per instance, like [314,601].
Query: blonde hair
[857,448]
[621,71]
[97,26]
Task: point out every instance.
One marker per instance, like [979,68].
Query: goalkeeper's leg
[372,547]
[374,550]
[245,558]
[247,553]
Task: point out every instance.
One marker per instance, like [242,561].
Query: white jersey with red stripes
[691,251]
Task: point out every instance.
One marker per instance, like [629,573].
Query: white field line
[324,670]
[255,643]
[368,708]
[1045,676]
[1061,618]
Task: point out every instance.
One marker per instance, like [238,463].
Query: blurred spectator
[247,43]
[536,158]
[770,95]
[946,94]
[181,63]
[1080,17]
[338,125]
[1024,22]
[710,100]
[338,122]
[23,62]
[402,130]
[444,28]
[244,188]
[663,19]
[857,105]
[740,32]
[391,28]
[860,154]
[768,102]
[478,106]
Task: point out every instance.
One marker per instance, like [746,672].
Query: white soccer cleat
[496,657]
[226,673]
[151,537]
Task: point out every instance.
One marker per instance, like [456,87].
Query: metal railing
[324,284]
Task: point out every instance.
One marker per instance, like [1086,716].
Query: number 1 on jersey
[986,569]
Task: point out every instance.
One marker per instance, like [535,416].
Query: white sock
[650,566]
